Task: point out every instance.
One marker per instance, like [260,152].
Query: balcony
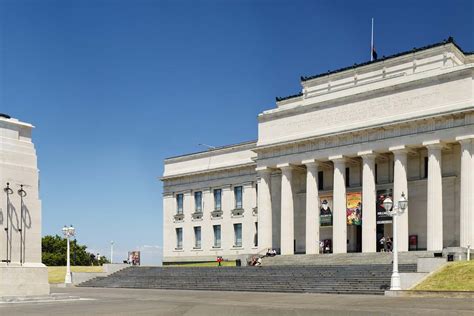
[216,214]
[197,215]
[178,217]
[237,212]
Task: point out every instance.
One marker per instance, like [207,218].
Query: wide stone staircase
[408,257]
[338,279]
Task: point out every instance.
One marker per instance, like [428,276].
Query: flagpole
[372,42]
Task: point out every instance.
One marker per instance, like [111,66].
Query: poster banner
[354,208]
[325,211]
[382,217]
[134,258]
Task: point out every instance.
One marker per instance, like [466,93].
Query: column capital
[311,163]
[337,158]
[434,144]
[401,150]
[367,154]
[285,166]
[465,138]
[263,170]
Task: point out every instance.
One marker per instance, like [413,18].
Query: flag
[374,53]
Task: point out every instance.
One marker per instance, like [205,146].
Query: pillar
[400,185]
[369,196]
[339,228]
[434,211]
[264,209]
[466,192]
[312,207]
[287,210]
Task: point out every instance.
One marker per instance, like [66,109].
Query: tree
[54,252]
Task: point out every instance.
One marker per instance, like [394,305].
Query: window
[348,177]
[217,199]
[320,180]
[179,238]
[197,237]
[425,175]
[179,203]
[217,236]
[198,202]
[256,194]
[237,235]
[255,238]
[238,197]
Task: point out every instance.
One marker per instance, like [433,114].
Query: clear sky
[114,87]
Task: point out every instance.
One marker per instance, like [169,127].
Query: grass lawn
[56,274]
[203,264]
[455,276]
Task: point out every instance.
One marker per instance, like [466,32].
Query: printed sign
[134,258]
[354,208]
[325,211]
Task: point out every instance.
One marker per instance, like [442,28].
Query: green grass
[56,274]
[455,276]
[203,264]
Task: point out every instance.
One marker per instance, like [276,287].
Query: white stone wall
[18,166]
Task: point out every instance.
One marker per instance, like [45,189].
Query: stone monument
[21,270]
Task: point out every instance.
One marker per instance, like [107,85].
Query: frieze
[373,134]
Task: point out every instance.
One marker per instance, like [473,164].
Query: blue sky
[114,87]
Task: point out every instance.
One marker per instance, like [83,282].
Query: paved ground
[98,301]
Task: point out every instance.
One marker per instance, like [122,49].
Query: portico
[367,160]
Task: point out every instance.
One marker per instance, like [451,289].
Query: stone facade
[20,238]
[404,124]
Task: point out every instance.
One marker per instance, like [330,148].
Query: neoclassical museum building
[327,157]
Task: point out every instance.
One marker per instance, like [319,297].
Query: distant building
[352,137]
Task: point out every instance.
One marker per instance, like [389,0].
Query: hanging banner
[382,217]
[325,211]
[134,258]
[354,208]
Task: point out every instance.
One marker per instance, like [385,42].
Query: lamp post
[68,233]
[111,251]
[394,211]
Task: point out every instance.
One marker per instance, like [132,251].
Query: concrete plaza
[102,301]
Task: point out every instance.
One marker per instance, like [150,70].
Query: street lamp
[394,211]
[68,232]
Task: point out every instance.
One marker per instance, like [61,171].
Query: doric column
[434,211]
[339,228]
[287,210]
[467,191]
[312,207]
[400,185]
[264,209]
[369,213]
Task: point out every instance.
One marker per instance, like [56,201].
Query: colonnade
[369,224]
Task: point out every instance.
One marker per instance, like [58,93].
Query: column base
[23,281]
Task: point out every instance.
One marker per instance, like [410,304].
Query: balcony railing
[197,215]
[237,212]
[179,217]
[216,214]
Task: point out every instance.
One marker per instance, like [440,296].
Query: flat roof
[214,149]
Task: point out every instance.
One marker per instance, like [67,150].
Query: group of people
[256,261]
[385,244]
